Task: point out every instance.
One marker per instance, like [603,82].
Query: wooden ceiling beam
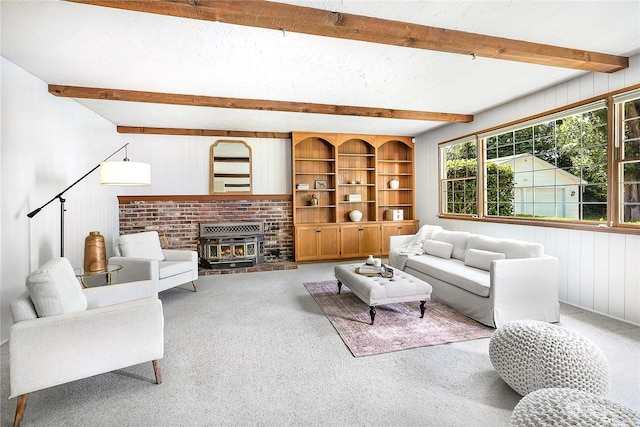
[319,22]
[202,132]
[251,104]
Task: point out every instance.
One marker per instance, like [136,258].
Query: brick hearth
[178,218]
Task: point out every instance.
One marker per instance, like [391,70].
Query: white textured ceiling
[79,45]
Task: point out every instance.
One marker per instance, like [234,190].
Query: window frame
[620,160]
[444,180]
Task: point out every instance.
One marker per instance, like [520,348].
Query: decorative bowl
[355,215]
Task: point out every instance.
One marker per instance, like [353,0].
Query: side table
[109,272]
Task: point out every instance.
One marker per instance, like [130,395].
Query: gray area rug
[397,326]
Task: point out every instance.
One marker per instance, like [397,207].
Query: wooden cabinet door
[396,229]
[307,238]
[370,243]
[351,240]
[317,242]
[360,240]
[329,242]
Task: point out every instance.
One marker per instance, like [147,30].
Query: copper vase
[95,254]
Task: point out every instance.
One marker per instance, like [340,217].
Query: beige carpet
[396,327]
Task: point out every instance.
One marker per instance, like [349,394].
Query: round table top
[111,268]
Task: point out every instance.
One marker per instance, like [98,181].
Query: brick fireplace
[179,219]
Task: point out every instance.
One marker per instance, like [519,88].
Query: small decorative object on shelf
[302,186]
[313,200]
[321,184]
[394,215]
[354,197]
[394,184]
[355,215]
[95,254]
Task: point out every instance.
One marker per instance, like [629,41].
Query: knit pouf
[530,355]
[569,407]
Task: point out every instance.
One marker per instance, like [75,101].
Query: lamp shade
[125,173]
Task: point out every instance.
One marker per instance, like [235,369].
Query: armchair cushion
[144,245]
[172,268]
[54,289]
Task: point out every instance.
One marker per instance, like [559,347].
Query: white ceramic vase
[394,184]
[355,215]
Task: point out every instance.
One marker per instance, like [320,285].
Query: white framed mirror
[230,167]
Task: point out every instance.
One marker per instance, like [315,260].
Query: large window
[551,168]
[459,162]
[629,165]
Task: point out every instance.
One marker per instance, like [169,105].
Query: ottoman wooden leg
[372,312]
[422,303]
[339,286]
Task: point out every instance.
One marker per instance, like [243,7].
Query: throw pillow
[481,259]
[457,238]
[437,248]
[144,245]
[54,289]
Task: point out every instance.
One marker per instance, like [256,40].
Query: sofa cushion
[171,268]
[457,238]
[144,245]
[54,289]
[511,248]
[452,271]
[481,259]
[437,248]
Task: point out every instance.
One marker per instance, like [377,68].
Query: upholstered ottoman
[569,407]
[402,287]
[530,355]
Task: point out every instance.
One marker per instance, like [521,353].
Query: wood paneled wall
[599,271]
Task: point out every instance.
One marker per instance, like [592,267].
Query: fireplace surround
[231,244]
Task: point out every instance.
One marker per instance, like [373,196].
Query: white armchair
[142,258]
[62,333]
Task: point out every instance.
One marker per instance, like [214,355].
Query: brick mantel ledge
[204,197]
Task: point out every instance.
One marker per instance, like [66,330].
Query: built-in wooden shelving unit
[347,173]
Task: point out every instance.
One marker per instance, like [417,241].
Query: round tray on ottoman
[530,355]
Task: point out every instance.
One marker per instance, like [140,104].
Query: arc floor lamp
[124,172]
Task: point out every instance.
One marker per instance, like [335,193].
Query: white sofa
[491,280]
